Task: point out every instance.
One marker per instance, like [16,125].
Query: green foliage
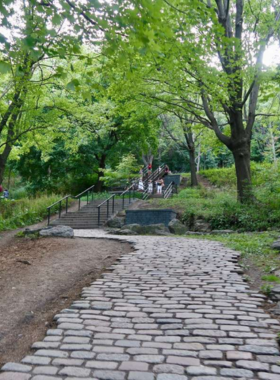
[224,177]
[19,193]
[126,170]
[23,212]
[266,289]
[264,174]
[221,209]
[271,278]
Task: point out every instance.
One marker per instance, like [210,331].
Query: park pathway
[174,309]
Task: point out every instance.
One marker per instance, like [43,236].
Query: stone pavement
[175,309]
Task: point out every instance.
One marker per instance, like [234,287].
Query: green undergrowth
[254,246]
[263,174]
[222,210]
[271,278]
[26,211]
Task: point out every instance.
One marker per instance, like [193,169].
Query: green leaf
[3,39]
[56,20]
[5,67]
[71,86]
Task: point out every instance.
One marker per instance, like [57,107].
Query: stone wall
[147,217]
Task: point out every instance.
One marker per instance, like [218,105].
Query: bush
[19,193]
[23,212]
[265,174]
[222,210]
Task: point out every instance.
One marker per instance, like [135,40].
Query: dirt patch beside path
[38,278]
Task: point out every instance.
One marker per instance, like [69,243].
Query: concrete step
[87,216]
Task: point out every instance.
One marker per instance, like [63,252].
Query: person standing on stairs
[150,187]
[140,185]
[160,184]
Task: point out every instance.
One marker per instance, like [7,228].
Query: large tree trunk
[9,145]
[148,158]
[99,184]
[191,150]
[194,181]
[198,158]
[242,156]
[3,161]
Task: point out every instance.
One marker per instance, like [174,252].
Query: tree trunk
[99,184]
[242,156]
[191,149]
[8,147]
[148,158]
[198,159]
[272,144]
[3,161]
[194,181]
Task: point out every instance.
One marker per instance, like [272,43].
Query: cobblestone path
[175,309]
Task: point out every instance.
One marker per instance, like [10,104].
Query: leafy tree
[214,49]
[27,46]
[126,170]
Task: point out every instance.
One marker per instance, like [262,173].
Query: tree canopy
[155,77]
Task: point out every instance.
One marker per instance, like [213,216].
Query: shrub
[22,212]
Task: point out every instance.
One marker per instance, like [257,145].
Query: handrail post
[98,222]
[59,209]
[113,205]
[79,203]
[49,216]
[129,195]
[66,206]
[92,194]
[107,208]
[123,201]
[87,197]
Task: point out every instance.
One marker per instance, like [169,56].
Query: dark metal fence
[88,193]
[111,206]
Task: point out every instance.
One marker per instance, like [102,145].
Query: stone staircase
[87,216]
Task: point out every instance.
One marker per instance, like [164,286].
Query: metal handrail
[87,191]
[60,200]
[154,174]
[60,208]
[131,187]
[107,201]
[152,177]
[101,204]
[169,190]
[130,191]
[79,196]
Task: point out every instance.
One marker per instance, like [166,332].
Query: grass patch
[222,210]
[271,278]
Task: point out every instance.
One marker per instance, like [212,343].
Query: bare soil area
[38,278]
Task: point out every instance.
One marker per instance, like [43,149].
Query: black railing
[152,177]
[170,190]
[112,207]
[131,194]
[107,203]
[86,193]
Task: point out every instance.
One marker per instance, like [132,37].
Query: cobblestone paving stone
[175,309]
